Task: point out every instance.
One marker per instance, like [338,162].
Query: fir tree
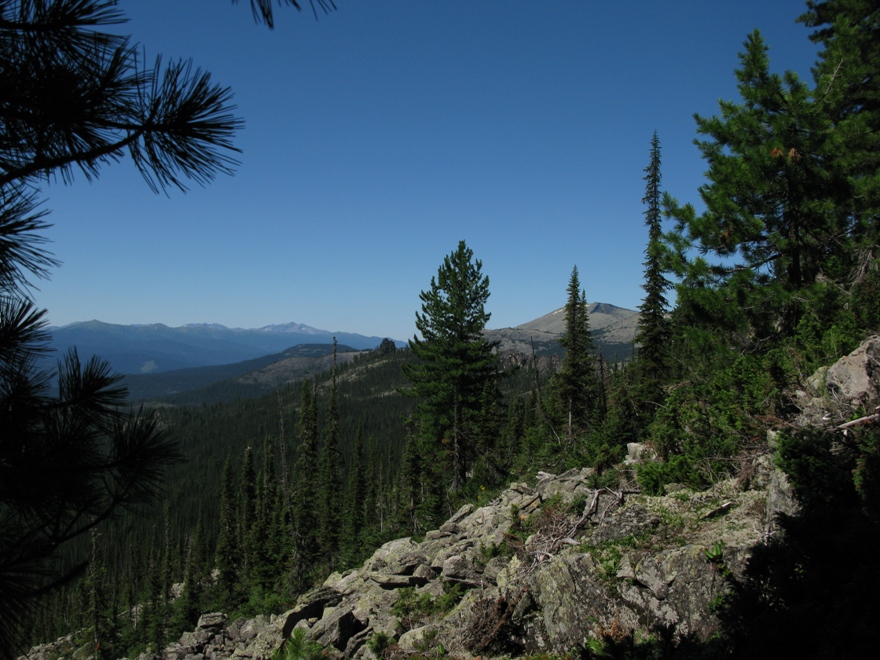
[356,505]
[228,556]
[653,333]
[103,618]
[305,506]
[247,515]
[266,532]
[331,478]
[576,384]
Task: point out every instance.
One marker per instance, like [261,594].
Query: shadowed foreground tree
[264,12]
[75,99]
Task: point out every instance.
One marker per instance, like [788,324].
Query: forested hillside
[774,274]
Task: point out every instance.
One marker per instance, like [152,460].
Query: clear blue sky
[382,134]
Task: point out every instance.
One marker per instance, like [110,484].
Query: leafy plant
[715,554]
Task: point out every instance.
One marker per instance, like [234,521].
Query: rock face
[834,394]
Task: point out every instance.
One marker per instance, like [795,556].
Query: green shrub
[297,647]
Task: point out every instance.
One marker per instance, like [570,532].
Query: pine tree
[848,92]
[455,360]
[76,97]
[653,333]
[776,218]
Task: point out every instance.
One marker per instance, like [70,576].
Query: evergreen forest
[123,524]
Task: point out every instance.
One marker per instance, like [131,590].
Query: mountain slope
[238,380]
[613,328]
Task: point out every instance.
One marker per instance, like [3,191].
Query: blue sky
[382,134]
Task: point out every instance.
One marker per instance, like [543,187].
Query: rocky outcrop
[544,568]
[849,387]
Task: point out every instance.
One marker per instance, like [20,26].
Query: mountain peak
[293,327]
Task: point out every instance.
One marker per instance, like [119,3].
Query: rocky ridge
[548,567]
[543,568]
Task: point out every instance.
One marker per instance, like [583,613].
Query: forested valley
[776,277]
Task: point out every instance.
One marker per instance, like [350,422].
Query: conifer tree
[848,92]
[455,361]
[228,556]
[305,505]
[653,333]
[419,502]
[266,532]
[356,506]
[376,500]
[491,464]
[247,514]
[576,384]
[187,606]
[331,478]
[777,213]
[76,97]
[102,616]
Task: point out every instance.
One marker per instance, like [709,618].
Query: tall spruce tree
[355,511]
[269,531]
[228,553]
[576,384]
[330,488]
[455,361]
[247,514]
[653,333]
[305,505]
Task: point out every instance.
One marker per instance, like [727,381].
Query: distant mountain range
[210,362]
[156,348]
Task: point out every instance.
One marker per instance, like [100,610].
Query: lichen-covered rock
[834,393]
[632,521]
[398,557]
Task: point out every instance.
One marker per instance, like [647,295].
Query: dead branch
[861,420]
